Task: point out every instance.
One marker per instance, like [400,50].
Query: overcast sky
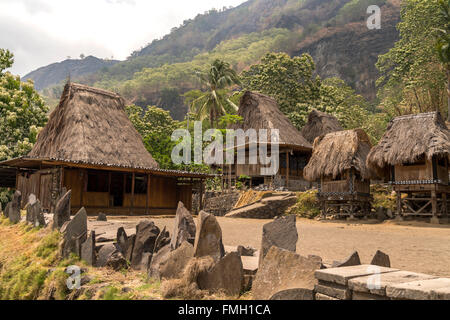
[40,32]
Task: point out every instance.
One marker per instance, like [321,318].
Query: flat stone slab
[324,297]
[250,265]
[333,290]
[418,290]
[366,284]
[344,274]
[367,296]
[441,294]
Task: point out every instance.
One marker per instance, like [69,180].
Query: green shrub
[307,205]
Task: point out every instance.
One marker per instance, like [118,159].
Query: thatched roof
[319,124]
[262,112]
[410,137]
[339,151]
[90,126]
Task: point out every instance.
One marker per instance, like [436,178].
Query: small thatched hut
[319,124]
[338,164]
[413,155]
[90,146]
[262,112]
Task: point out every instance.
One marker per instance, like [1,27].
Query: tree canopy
[22,112]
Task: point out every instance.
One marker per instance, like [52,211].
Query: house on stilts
[413,155]
[259,111]
[338,165]
[89,146]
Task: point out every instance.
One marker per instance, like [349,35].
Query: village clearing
[411,245]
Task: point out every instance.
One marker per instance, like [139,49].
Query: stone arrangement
[370,282]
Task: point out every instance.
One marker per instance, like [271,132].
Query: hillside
[55,73]
[333,32]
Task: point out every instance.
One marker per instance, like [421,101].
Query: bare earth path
[412,246]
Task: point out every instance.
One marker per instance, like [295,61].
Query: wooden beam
[133,180]
[147,200]
[287,169]
[434,203]
[201,196]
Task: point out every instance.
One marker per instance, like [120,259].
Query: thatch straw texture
[262,112]
[410,137]
[339,151]
[319,124]
[90,126]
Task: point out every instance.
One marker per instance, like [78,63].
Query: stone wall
[219,203]
[369,282]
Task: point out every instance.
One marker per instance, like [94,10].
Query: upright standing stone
[381,259]
[62,211]
[74,233]
[170,264]
[281,233]
[130,246]
[31,201]
[102,217]
[208,239]
[88,250]
[14,211]
[351,261]
[282,270]
[162,240]
[7,209]
[122,240]
[226,276]
[146,234]
[34,214]
[184,228]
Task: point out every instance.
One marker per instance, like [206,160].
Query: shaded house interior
[338,165]
[413,156]
[90,146]
[262,112]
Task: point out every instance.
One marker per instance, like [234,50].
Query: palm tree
[443,45]
[214,102]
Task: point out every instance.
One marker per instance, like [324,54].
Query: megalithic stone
[184,227]
[14,211]
[208,238]
[88,250]
[62,211]
[281,233]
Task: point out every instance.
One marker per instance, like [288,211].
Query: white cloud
[40,32]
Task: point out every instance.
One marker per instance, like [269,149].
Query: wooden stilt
[133,180]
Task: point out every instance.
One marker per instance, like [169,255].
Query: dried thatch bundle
[90,126]
[339,151]
[410,137]
[262,112]
[319,124]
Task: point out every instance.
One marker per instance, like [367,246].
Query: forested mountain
[334,32]
[55,73]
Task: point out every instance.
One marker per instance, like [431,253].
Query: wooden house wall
[44,184]
[164,194]
[328,184]
[420,172]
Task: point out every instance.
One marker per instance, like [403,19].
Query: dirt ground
[412,246]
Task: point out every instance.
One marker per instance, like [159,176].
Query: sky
[41,32]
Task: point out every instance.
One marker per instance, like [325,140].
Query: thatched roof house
[89,146]
[90,126]
[337,152]
[319,124]
[409,138]
[262,112]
